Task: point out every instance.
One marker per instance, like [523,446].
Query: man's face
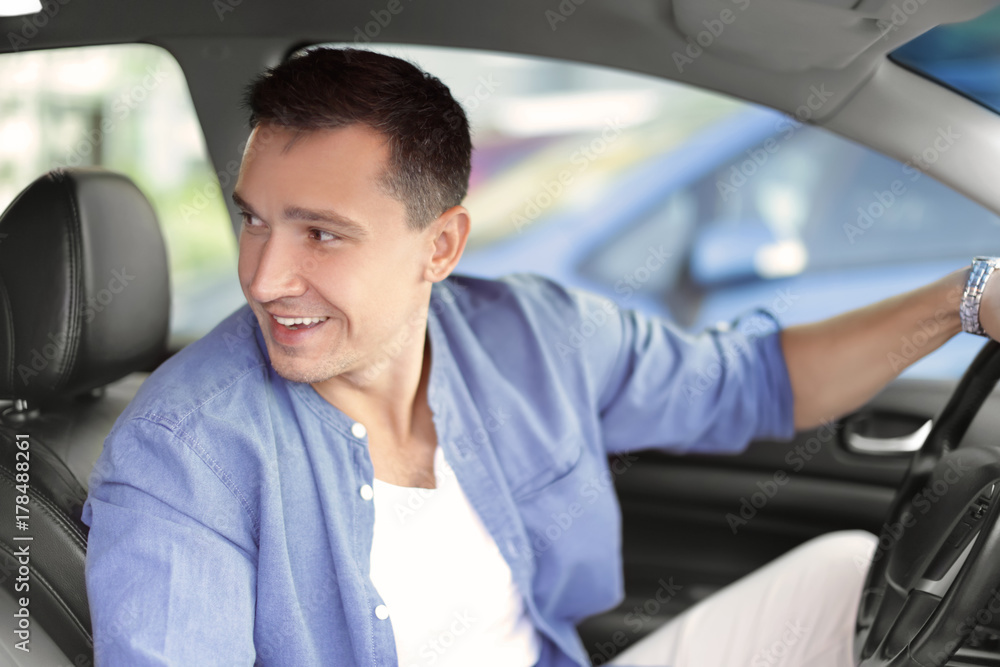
[321,241]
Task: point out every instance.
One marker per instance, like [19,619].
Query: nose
[279,270]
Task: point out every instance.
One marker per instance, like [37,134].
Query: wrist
[950,300]
[989,308]
[976,303]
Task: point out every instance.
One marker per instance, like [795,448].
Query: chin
[296,374]
[309,372]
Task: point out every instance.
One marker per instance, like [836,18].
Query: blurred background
[688,205]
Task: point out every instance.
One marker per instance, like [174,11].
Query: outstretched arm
[838,364]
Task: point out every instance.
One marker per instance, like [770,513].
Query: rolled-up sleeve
[712,392]
[656,386]
[170,568]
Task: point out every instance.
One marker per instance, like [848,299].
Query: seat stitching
[50,509]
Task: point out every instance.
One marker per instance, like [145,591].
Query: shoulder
[227,360]
[195,425]
[542,302]
[520,306]
[530,321]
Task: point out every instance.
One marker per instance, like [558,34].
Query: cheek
[244,270]
[339,279]
[247,259]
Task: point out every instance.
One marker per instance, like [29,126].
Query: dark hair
[429,145]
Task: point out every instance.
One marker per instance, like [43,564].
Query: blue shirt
[228,522]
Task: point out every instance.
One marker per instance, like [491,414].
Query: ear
[448,234]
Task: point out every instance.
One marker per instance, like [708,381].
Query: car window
[828,204]
[848,205]
[962,56]
[126,108]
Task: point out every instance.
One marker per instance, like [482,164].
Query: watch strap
[982,269]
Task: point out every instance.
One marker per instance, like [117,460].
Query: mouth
[296,323]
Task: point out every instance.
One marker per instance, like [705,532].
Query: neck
[386,398]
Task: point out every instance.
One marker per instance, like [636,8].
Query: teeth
[290,321]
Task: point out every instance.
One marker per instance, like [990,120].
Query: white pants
[798,610]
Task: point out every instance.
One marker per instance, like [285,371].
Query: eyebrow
[332,218]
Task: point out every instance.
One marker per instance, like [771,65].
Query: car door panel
[698,522]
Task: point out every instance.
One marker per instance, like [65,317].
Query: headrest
[84,293]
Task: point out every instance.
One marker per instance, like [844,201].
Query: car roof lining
[778,53]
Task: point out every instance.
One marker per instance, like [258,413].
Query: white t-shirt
[449,592]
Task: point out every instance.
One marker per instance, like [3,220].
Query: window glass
[126,108]
[963,56]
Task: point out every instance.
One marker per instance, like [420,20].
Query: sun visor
[797,35]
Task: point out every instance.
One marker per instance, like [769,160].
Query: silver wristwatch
[982,269]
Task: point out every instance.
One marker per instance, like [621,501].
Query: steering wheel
[935,574]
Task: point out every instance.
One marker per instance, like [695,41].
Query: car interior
[78,334]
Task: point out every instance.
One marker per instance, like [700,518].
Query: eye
[322,235]
[250,220]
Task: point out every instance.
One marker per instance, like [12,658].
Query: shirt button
[367,492]
[381,612]
[358,430]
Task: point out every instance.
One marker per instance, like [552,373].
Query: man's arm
[171,570]
[837,365]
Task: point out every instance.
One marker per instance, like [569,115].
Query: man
[361,466]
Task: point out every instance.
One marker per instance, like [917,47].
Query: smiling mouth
[295,323]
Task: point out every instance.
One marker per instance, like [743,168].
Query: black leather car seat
[84,309]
